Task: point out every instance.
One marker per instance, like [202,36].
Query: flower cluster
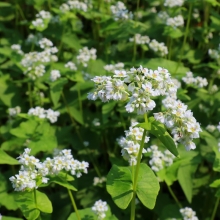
[175,21]
[85,55]
[197,81]
[113,67]
[159,48]
[131,143]
[42,18]
[160,160]
[34,62]
[42,113]
[54,75]
[14,111]
[213,89]
[139,39]
[188,214]
[138,86]
[211,128]
[173,3]
[215,54]
[100,207]
[33,172]
[183,125]
[97,180]
[17,49]
[70,65]
[74,5]
[120,11]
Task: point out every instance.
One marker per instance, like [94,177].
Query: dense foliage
[109,109]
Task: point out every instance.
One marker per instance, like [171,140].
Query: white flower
[14,111]
[100,207]
[188,214]
[159,48]
[173,3]
[175,21]
[54,75]
[71,65]
[85,55]
[139,39]
[17,49]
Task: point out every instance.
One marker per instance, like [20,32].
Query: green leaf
[158,129]
[119,185]
[56,89]
[25,129]
[147,186]
[76,114]
[215,184]
[185,180]
[85,214]
[6,159]
[31,208]
[10,218]
[106,110]
[60,181]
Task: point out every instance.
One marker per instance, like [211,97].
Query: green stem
[185,36]
[174,196]
[74,204]
[30,95]
[215,209]
[80,102]
[170,48]
[137,171]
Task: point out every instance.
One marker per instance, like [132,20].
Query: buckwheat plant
[120,11]
[139,39]
[42,20]
[188,214]
[138,89]
[100,207]
[42,113]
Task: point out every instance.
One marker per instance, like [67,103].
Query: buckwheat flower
[78,5]
[173,3]
[215,54]
[159,48]
[120,73]
[195,81]
[54,75]
[163,15]
[113,67]
[97,180]
[213,89]
[14,111]
[210,128]
[175,21]
[52,115]
[71,65]
[45,43]
[100,207]
[96,122]
[139,39]
[44,14]
[17,49]
[195,13]
[120,11]
[188,214]
[85,55]
[39,22]
[64,8]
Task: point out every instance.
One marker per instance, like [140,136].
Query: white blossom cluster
[213,89]
[34,62]
[17,49]
[41,19]
[171,21]
[159,159]
[42,113]
[211,128]
[183,125]
[113,67]
[173,3]
[131,143]
[120,11]
[33,171]
[139,39]
[196,81]
[74,5]
[85,55]
[14,111]
[188,214]
[175,21]
[138,86]
[159,48]
[70,65]
[54,75]
[99,180]
[100,207]
[215,54]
